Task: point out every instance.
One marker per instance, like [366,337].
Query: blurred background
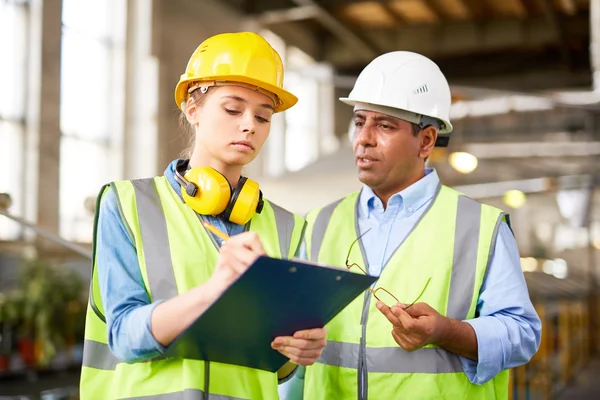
[86,97]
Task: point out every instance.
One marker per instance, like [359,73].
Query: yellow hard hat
[242,57]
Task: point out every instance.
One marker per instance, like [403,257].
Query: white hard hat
[407,82]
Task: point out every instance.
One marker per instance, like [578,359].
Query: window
[91,100]
[309,125]
[301,146]
[13,81]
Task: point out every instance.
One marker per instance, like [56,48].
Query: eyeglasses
[374,291]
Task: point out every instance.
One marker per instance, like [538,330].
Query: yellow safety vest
[451,244]
[169,241]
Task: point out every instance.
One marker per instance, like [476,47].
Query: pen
[216,231]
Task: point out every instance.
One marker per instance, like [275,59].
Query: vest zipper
[206,394]
[363,373]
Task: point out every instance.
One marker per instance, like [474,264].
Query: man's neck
[384,193]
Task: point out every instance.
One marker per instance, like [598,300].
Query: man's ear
[428,136]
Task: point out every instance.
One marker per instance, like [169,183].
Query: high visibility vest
[451,244]
[170,242]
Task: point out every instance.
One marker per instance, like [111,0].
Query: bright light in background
[465,163]
[596,243]
[514,198]
[557,267]
[529,264]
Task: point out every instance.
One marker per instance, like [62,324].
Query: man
[474,319]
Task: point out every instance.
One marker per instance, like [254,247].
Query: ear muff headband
[190,187]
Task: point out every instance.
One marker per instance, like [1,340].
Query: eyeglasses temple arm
[418,297]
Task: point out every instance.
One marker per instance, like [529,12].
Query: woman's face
[231,123]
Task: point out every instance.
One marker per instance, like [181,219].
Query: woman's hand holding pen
[237,254]
[171,317]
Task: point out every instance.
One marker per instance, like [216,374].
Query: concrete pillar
[140,139]
[327,141]
[43,115]
[271,162]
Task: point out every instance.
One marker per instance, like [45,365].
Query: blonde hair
[198,97]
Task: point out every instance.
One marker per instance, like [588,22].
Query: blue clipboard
[272,298]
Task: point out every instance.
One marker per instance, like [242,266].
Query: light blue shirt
[507,326]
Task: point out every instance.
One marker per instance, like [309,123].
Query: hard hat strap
[204,86]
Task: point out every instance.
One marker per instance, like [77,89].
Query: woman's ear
[191,111]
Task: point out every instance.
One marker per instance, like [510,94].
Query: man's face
[386,150]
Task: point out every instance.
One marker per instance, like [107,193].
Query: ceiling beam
[531,6]
[360,47]
[479,8]
[520,72]
[436,9]
[463,38]
[568,6]
[286,15]
[398,19]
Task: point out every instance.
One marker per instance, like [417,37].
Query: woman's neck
[231,172]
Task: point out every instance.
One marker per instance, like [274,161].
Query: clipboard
[272,298]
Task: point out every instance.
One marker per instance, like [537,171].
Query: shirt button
[375,270]
[409,209]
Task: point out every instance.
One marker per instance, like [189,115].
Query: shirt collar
[170,175]
[413,197]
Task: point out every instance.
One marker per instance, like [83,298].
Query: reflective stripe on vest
[188,394]
[160,272]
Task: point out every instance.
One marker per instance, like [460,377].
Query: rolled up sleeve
[507,327]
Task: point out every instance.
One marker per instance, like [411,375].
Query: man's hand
[304,347]
[415,327]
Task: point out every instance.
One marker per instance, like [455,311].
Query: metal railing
[50,236]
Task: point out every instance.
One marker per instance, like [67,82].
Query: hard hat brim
[444,131]
[287,99]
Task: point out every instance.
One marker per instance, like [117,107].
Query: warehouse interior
[86,98]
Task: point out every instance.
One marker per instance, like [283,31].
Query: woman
[157,267]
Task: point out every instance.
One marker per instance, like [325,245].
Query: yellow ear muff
[213,194]
[247,202]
